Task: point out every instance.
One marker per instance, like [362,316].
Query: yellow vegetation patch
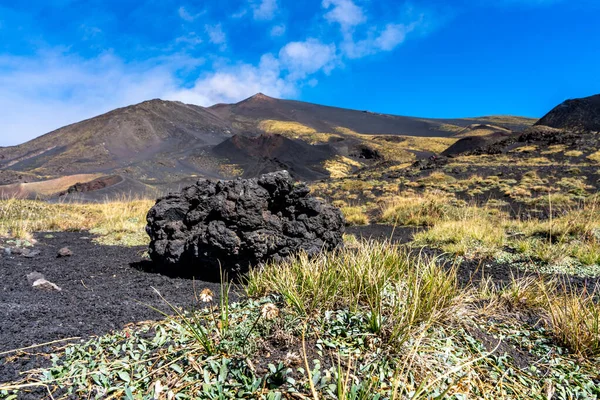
[231,170]
[554,149]
[340,166]
[117,222]
[436,179]
[355,215]
[273,126]
[431,144]
[476,132]
[295,130]
[450,128]
[595,156]
[524,149]
[573,153]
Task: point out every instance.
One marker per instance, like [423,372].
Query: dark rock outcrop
[577,115]
[96,184]
[487,144]
[237,224]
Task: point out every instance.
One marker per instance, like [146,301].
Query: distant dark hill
[577,114]
[475,144]
[268,153]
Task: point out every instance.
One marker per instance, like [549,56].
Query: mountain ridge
[168,143]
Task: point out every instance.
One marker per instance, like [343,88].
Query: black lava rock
[237,224]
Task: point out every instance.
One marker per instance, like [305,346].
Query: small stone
[65,252]
[34,276]
[7,251]
[45,285]
[31,254]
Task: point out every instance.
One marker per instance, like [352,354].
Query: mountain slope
[148,134]
[250,115]
[576,114]
[269,153]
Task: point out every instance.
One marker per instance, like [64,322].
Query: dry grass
[402,295]
[416,210]
[117,222]
[295,130]
[595,156]
[355,215]
[468,231]
[430,144]
[341,167]
[573,153]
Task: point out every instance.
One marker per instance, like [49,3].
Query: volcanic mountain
[166,144]
[150,134]
[577,114]
[257,114]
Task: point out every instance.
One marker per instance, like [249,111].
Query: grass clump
[474,233]
[118,222]
[573,153]
[575,321]
[416,210]
[594,156]
[397,292]
[355,215]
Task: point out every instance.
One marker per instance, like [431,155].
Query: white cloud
[345,13]
[278,30]
[52,90]
[232,84]
[265,10]
[240,13]
[392,36]
[386,39]
[191,38]
[185,15]
[216,34]
[307,57]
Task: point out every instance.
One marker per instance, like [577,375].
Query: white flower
[157,389]
[269,311]
[206,295]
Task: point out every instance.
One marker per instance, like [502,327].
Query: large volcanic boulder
[577,114]
[240,223]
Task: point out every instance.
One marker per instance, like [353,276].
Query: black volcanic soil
[272,152]
[102,288]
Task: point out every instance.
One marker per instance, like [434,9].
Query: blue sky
[62,61]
